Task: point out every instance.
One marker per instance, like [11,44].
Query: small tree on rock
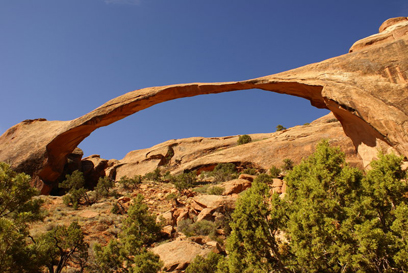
[244,139]
[63,245]
[129,254]
[74,183]
[280,128]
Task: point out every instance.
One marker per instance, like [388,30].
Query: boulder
[248,177]
[278,186]
[74,161]
[166,217]
[93,167]
[177,255]
[215,247]
[216,201]
[235,186]
[167,230]
[206,214]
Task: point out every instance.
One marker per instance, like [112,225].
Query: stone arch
[366,89]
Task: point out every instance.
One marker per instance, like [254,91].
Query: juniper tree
[332,219]
[63,245]
[129,254]
[74,183]
[18,208]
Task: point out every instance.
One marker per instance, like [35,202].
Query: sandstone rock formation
[366,90]
[177,255]
[203,154]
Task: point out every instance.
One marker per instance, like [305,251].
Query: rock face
[203,154]
[177,255]
[365,89]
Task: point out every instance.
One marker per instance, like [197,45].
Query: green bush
[154,176]
[280,128]
[204,265]
[202,189]
[264,178]
[130,183]
[74,183]
[287,164]
[172,196]
[332,120]
[244,139]
[129,254]
[250,171]
[184,181]
[274,171]
[224,172]
[63,245]
[333,219]
[116,209]
[214,190]
[18,208]
[203,227]
[103,187]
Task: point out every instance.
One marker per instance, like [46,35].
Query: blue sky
[60,59]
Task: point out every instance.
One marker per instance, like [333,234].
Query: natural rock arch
[366,89]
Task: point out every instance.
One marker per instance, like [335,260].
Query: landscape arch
[366,89]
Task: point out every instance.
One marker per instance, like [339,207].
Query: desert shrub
[154,176]
[332,120]
[214,190]
[244,139]
[203,227]
[103,187]
[205,175]
[184,225]
[224,222]
[116,209]
[287,164]
[172,196]
[204,265]
[264,178]
[184,181]
[274,171]
[74,197]
[140,223]
[130,183]
[129,254]
[224,172]
[250,171]
[280,128]
[146,262]
[74,183]
[167,177]
[202,189]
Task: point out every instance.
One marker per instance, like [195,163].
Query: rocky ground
[194,221]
